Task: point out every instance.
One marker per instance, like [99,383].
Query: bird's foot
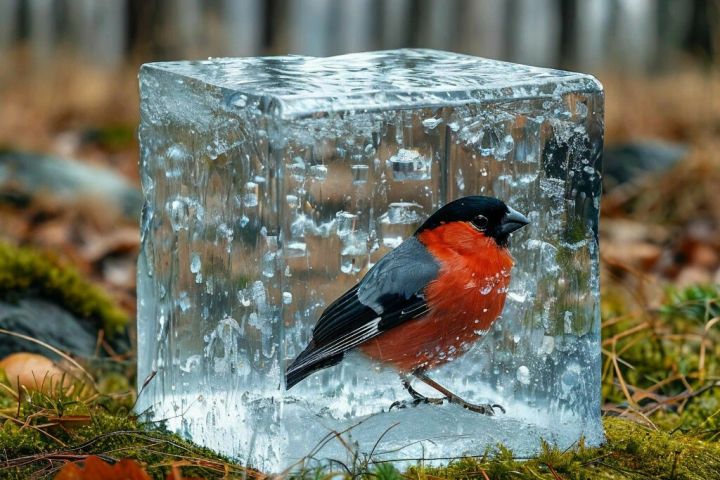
[417,400]
[482,408]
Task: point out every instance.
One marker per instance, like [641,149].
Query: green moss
[632,451]
[23,270]
[28,440]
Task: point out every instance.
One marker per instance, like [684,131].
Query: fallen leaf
[34,372]
[94,468]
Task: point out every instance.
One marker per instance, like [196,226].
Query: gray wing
[391,293]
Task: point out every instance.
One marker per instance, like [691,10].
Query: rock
[47,322]
[624,163]
[23,176]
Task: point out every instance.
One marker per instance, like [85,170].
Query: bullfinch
[426,302]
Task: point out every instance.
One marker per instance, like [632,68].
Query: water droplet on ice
[523,375]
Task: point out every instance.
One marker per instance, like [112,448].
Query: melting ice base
[272,185]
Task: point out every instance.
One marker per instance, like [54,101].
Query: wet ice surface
[272,185]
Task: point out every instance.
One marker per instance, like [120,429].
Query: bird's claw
[416,401]
[483,408]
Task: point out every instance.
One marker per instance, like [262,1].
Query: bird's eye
[480,222]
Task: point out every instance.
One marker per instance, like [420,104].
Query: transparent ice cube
[273,184]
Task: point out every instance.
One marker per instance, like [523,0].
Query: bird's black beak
[512,221]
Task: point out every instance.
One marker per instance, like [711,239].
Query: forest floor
[660,257]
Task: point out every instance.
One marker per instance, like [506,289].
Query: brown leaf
[95,468]
[34,372]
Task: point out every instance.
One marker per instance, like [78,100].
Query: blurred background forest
[69,110]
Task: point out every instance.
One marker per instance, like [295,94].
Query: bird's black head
[485,214]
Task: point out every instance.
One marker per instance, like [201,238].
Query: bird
[426,302]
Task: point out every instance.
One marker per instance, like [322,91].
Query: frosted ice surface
[272,185]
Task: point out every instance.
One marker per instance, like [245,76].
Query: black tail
[295,374]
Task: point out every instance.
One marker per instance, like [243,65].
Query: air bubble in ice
[523,375]
[353,253]
[319,172]
[346,223]
[244,297]
[297,169]
[547,254]
[460,180]
[296,249]
[238,100]
[404,213]
[183,301]
[568,322]
[268,264]
[570,377]
[360,173]
[410,165]
[287,298]
[489,143]
[191,363]
[179,214]
[292,201]
[250,197]
[195,263]
[431,123]
[177,153]
[581,110]
[547,346]
[399,222]
[505,146]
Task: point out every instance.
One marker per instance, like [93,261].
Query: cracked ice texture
[272,184]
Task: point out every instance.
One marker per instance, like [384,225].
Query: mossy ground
[25,271]
[667,391]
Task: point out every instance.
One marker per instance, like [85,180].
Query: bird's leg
[485,408]
[418,397]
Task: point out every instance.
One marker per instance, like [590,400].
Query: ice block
[273,184]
